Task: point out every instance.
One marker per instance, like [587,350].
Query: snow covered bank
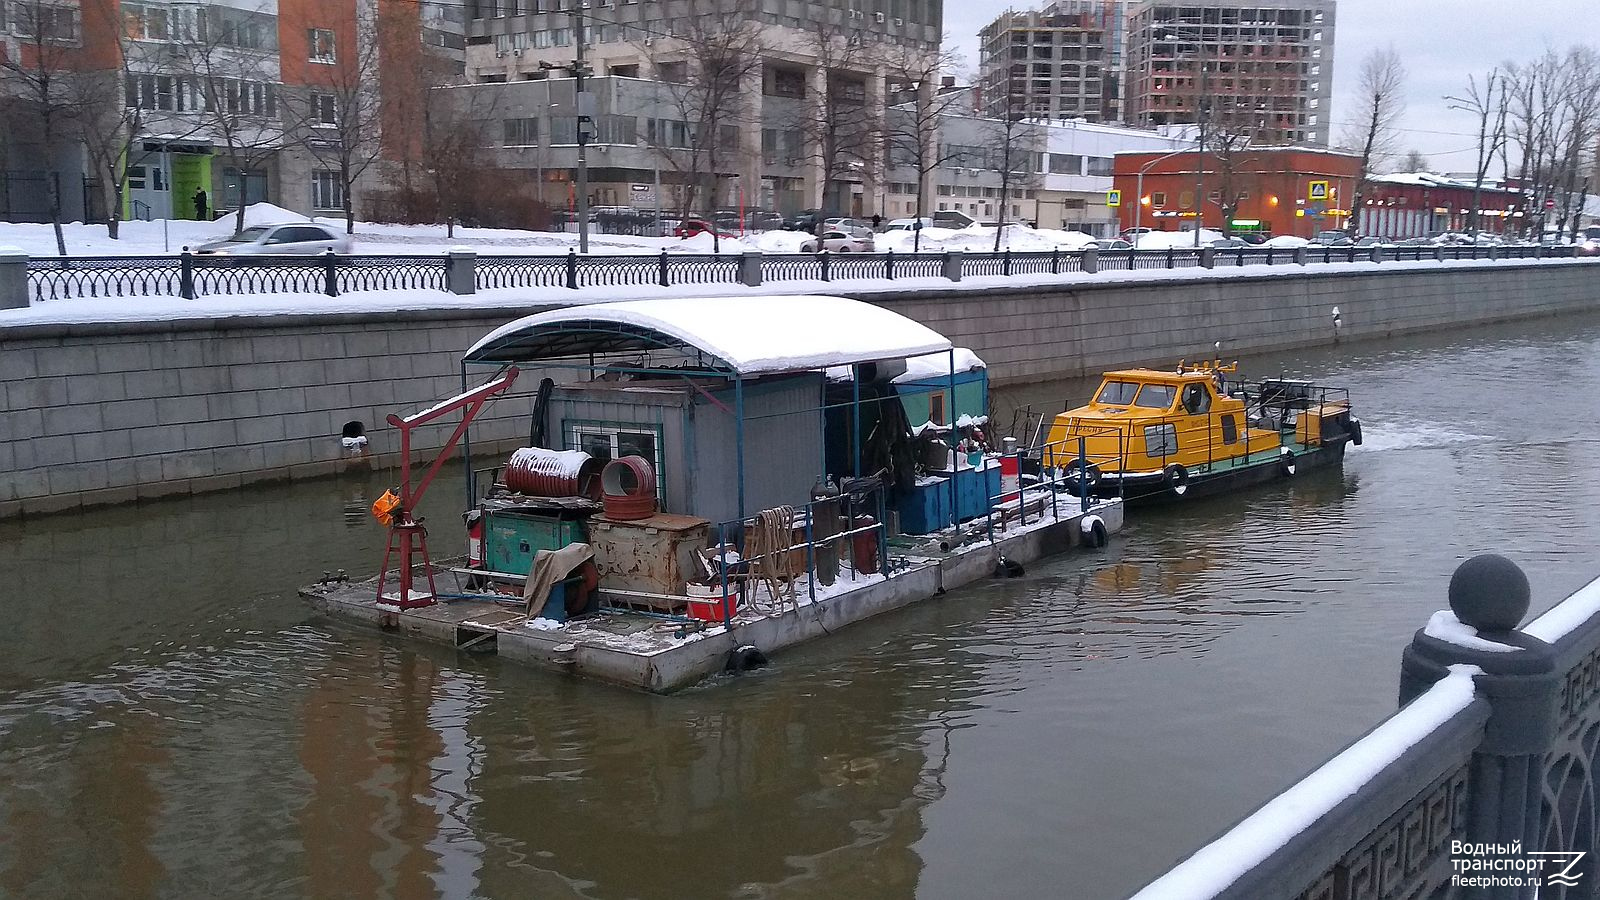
[980,239]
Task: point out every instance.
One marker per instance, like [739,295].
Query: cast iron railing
[190,275]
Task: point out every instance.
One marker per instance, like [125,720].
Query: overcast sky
[1441,42]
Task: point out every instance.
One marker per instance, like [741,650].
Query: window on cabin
[1230,430]
[936,408]
[1117,393]
[1160,440]
[1196,399]
[1156,396]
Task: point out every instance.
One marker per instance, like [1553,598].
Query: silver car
[840,242]
[289,239]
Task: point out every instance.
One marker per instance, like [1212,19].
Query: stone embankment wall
[107,413]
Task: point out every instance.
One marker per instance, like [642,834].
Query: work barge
[713,481]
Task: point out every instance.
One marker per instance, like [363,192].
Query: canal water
[174,723]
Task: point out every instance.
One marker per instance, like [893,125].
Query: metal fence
[1486,783]
[190,275]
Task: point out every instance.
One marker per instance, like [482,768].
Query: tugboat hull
[1167,486]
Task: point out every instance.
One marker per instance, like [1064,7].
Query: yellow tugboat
[1153,435]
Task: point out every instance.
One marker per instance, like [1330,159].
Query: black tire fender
[745,658]
[1354,427]
[1093,529]
[1089,474]
[1177,480]
[1286,463]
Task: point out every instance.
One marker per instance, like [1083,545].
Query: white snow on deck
[1565,617]
[1220,863]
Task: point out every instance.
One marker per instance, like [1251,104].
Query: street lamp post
[1201,109]
[1138,200]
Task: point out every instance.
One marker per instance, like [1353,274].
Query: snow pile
[1285,241]
[937,365]
[1444,626]
[265,214]
[1216,866]
[778,241]
[706,242]
[1161,240]
[980,239]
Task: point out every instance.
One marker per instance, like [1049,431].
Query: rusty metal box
[654,555]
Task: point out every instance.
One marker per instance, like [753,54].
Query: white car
[288,239]
[840,242]
[907,224]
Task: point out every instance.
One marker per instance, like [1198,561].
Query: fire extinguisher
[474,520]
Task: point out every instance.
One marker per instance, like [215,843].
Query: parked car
[1253,238]
[1135,233]
[949,218]
[691,227]
[907,224]
[288,239]
[836,241]
[1113,244]
[1332,239]
[844,223]
[1229,243]
[804,220]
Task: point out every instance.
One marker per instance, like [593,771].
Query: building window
[613,440]
[44,21]
[324,110]
[322,45]
[521,132]
[327,191]
[1158,199]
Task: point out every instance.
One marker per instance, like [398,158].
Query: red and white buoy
[1010,472]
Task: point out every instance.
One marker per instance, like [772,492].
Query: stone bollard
[1301,254]
[1375,255]
[13,278]
[750,268]
[1438,253]
[952,265]
[461,271]
[1091,260]
[1489,596]
[1494,251]
[1208,257]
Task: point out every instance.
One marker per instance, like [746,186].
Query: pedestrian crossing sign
[1317,190]
[1113,198]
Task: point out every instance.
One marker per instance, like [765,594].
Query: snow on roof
[752,335]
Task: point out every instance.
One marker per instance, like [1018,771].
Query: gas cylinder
[474,519]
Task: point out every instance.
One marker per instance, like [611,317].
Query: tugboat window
[1230,430]
[1156,396]
[1160,440]
[1196,399]
[1117,393]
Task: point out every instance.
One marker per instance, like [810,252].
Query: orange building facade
[1273,190]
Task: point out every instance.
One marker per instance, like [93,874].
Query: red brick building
[1278,190]
[1395,207]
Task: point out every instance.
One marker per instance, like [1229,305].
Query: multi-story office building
[233,99]
[1263,68]
[809,86]
[1061,62]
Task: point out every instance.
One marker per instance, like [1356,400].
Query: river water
[175,723]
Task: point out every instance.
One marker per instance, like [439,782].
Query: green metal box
[512,537]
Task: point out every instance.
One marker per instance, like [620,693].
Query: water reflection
[173,722]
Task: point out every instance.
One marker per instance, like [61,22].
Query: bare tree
[337,120]
[453,150]
[718,48]
[1553,113]
[38,78]
[227,81]
[843,125]
[911,136]
[1487,101]
[1011,145]
[1380,91]
[1414,161]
